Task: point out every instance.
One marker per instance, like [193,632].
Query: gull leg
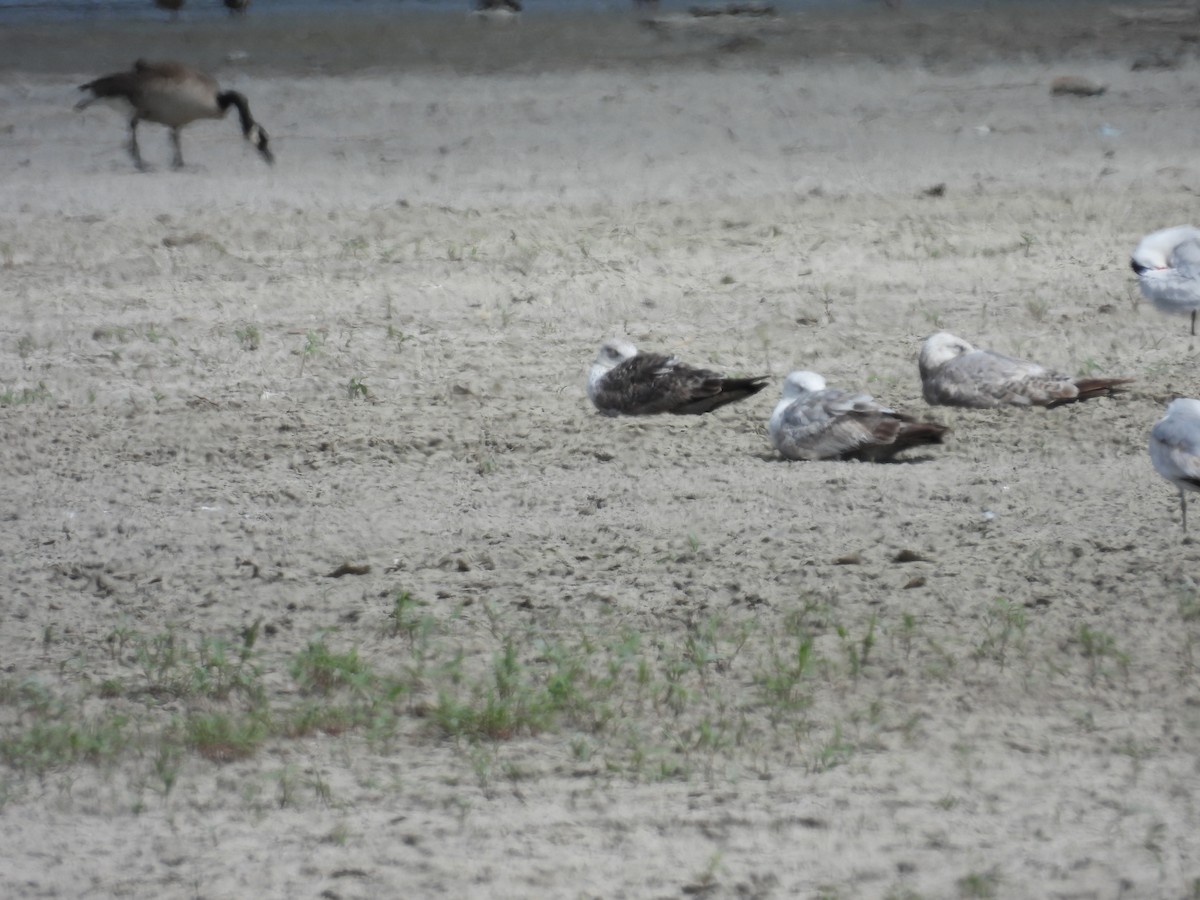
[177,163]
[1183,508]
[1193,323]
[133,145]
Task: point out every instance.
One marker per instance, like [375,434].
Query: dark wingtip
[1090,388]
[752,385]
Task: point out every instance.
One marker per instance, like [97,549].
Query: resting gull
[953,373]
[1175,448]
[624,382]
[1167,264]
[815,422]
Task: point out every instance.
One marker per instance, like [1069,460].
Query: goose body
[173,95]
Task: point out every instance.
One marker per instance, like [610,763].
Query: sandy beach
[324,579]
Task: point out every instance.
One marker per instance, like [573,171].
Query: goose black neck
[226,99]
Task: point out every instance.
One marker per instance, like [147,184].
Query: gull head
[795,386]
[612,353]
[1183,409]
[940,348]
[1154,251]
[800,383]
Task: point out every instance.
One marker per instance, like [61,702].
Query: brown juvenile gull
[624,382]
[812,421]
[953,373]
[1167,264]
[1175,448]
[174,95]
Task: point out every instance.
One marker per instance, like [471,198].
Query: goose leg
[178,161]
[133,145]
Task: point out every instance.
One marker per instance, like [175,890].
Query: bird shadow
[892,461]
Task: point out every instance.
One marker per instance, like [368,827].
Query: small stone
[1076,86]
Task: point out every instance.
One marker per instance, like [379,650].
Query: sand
[219,386]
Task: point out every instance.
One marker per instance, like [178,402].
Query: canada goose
[174,95]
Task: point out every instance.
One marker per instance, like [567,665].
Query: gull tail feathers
[914,434]
[731,390]
[895,435]
[1100,387]
[1094,387]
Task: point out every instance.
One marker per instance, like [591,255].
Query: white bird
[814,422]
[1167,264]
[1175,448]
[624,382]
[953,373]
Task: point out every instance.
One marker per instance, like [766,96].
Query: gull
[953,373]
[1167,264]
[1175,448]
[624,382]
[174,95]
[814,422]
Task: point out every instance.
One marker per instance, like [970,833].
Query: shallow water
[421,36]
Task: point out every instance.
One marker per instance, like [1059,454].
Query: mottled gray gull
[814,422]
[624,382]
[953,373]
[1175,448]
[1167,264]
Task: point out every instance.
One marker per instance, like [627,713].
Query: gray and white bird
[1167,264]
[953,373]
[174,95]
[624,382]
[1175,448]
[812,421]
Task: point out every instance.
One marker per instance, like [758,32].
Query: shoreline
[437,41]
